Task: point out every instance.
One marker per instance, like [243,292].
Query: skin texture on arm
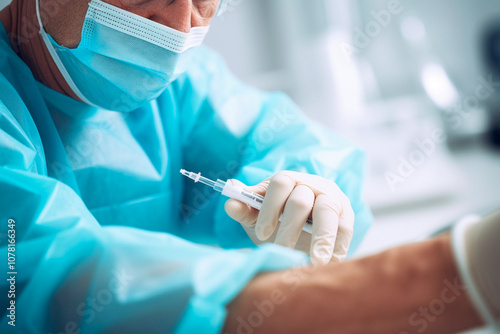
[410,289]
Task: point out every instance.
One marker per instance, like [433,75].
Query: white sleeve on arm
[476,245]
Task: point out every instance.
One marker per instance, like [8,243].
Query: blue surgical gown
[109,237]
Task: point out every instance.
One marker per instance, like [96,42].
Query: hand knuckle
[327,204]
[281,180]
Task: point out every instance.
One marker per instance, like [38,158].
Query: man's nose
[178,15]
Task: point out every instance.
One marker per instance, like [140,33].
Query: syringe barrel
[253,199]
[219,185]
[242,195]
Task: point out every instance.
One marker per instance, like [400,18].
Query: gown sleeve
[69,274]
[231,130]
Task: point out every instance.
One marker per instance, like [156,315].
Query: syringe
[233,191]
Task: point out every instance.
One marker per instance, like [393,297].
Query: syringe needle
[198,178]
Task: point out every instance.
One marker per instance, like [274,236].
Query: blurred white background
[390,76]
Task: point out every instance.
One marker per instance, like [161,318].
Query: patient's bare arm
[410,289]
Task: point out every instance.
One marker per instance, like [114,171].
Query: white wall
[280,45]
[454,29]
[285,44]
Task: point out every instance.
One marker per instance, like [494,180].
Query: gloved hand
[298,196]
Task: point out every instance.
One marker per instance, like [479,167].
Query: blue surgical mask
[123,60]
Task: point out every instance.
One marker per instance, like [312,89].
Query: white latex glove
[298,196]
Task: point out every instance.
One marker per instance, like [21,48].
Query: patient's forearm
[410,289]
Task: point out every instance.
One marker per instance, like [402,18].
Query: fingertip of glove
[235,209]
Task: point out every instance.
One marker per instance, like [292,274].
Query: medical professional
[101,104]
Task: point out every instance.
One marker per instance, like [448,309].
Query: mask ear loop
[58,61]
